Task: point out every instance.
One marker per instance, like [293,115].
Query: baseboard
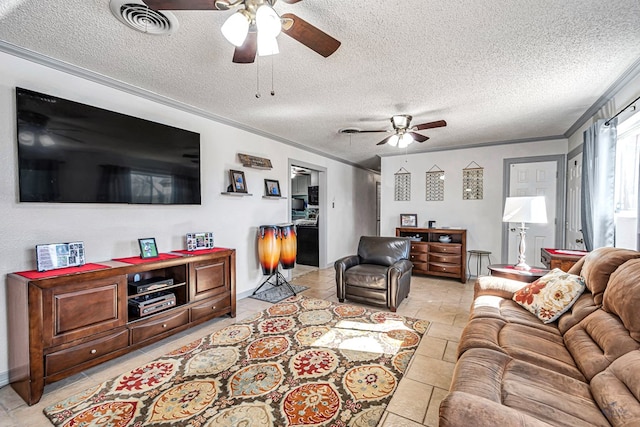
[4,378]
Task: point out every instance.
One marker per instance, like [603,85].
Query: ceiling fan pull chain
[273,92]
[257,76]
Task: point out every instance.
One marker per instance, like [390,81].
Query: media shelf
[431,256]
[62,325]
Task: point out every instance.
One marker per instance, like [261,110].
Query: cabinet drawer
[444,268]
[418,257]
[211,307]
[71,357]
[418,247]
[445,257]
[420,267]
[144,330]
[445,248]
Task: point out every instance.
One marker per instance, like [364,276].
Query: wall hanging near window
[402,185]
[435,184]
[472,182]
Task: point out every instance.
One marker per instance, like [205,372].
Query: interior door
[533,179]
[573,237]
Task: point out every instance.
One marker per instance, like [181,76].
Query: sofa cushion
[580,309]
[551,295]
[599,339]
[622,296]
[598,266]
[617,390]
[509,311]
[367,275]
[531,390]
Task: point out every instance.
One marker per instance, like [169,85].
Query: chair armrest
[402,266]
[346,262]
[496,286]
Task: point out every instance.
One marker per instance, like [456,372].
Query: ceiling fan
[254,26]
[403,133]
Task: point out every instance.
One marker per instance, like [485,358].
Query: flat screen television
[70,152]
[297,204]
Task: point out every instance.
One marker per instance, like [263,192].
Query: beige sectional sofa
[583,369]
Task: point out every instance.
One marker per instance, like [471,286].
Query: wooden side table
[509,272]
[560,258]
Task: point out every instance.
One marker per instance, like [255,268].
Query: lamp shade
[268,21]
[525,209]
[236,28]
[405,140]
[393,140]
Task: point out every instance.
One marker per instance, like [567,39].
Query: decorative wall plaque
[434,184]
[402,185]
[254,162]
[472,182]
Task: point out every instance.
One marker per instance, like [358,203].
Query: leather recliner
[380,274]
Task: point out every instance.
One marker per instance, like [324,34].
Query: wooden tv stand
[62,325]
[432,257]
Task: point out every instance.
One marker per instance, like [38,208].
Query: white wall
[111,231]
[481,218]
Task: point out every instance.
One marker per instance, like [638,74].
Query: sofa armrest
[496,286]
[464,409]
[402,266]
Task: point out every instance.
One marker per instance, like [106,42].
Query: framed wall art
[472,182]
[272,188]
[238,181]
[434,184]
[402,185]
[408,220]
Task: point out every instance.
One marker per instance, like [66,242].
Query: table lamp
[522,210]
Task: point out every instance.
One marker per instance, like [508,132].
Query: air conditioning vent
[141,18]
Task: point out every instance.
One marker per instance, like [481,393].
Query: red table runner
[138,260]
[34,274]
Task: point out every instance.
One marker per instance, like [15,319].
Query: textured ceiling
[495,71]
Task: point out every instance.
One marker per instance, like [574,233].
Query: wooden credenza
[432,257]
[560,258]
[62,325]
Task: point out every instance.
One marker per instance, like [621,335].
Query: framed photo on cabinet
[408,220]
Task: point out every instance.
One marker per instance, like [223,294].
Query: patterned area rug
[278,293]
[302,362]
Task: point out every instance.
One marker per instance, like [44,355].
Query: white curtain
[598,184]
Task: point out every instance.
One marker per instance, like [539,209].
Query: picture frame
[272,188]
[408,220]
[148,248]
[53,256]
[238,181]
[198,241]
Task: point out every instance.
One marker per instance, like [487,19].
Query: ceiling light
[236,28]
[268,21]
[404,140]
[393,140]
[267,45]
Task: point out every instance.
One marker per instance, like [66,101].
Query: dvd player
[152,303]
[151,284]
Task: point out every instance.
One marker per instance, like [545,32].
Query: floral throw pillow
[551,295]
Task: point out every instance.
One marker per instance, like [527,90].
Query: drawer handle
[213,307]
[164,325]
[93,351]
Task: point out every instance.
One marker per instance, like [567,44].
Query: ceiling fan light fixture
[405,140]
[267,45]
[393,140]
[268,21]
[236,28]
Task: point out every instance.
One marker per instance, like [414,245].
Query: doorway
[535,176]
[574,239]
[308,209]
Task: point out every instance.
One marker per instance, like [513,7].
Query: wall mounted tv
[75,153]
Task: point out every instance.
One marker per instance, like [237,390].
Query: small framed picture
[408,220]
[272,188]
[197,241]
[238,181]
[148,248]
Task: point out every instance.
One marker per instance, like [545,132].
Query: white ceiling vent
[138,16]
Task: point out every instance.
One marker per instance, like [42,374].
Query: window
[627,182]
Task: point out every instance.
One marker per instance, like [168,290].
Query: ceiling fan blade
[181,4]
[310,36]
[430,125]
[246,53]
[384,141]
[291,1]
[371,131]
[417,137]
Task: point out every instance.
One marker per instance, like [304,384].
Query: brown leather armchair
[380,274]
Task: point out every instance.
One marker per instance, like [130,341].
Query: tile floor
[444,302]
